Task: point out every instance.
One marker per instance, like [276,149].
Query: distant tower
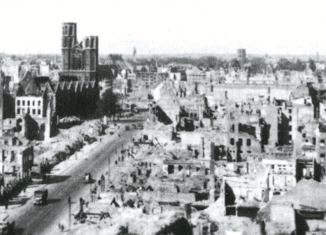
[134,54]
[69,38]
[242,57]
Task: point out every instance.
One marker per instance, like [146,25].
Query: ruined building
[16,158]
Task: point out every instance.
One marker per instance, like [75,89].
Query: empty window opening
[171,169]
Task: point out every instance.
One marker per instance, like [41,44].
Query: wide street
[37,220]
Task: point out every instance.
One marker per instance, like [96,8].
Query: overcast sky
[167,27]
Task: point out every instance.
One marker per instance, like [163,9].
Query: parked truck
[40,196]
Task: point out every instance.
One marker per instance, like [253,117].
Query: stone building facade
[79,59]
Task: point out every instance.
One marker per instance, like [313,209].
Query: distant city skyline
[168,27]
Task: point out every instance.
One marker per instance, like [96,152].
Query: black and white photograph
[152,117]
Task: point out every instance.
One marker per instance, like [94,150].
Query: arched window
[232,141]
[70,30]
[248,142]
[92,43]
[87,42]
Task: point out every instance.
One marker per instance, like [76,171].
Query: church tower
[91,56]
[79,59]
[69,38]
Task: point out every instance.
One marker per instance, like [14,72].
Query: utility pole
[90,191]
[69,204]
[109,171]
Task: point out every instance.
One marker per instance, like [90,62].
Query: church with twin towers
[79,59]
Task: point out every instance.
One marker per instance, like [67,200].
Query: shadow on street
[51,179]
